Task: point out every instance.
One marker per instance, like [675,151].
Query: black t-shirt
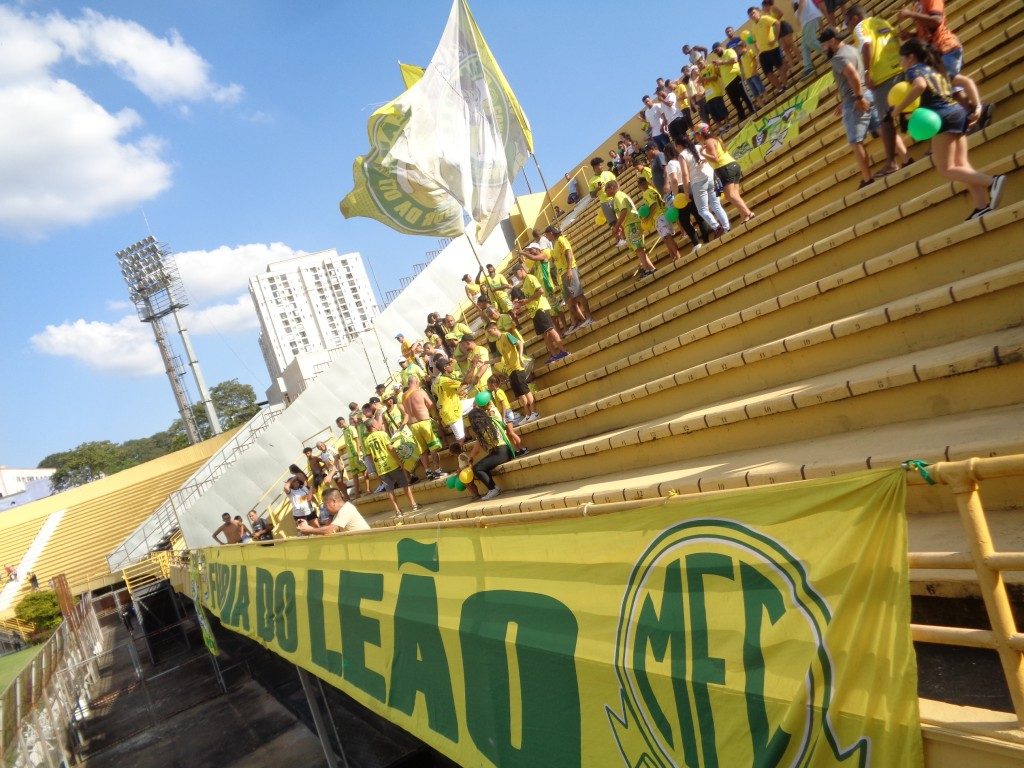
[658,172]
[260,530]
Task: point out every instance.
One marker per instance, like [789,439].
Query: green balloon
[483,399]
[459,485]
[671,214]
[750,40]
[924,124]
[644,211]
[451,481]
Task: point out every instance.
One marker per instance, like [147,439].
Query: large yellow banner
[765,627]
[762,138]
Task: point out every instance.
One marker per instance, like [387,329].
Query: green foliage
[235,404]
[40,609]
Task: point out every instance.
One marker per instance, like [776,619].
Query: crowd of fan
[451,388]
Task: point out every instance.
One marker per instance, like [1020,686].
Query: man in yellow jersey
[627,222]
[748,68]
[448,390]
[766,44]
[388,466]
[498,287]
[478,365]
[564,259]
[727,63]
[353,449]
[511,349]
[535,306]
[879,45]
[650,197]
[406,346]
[714,95]
[597,182]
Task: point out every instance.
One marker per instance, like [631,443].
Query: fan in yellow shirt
[766,29]
[650,197]
[627,222]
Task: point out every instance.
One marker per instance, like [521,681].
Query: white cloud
[124,348]
[239,315]
[165,69]
[226,270]
[65,159]
[118,305]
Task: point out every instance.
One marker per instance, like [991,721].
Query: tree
[40,609]
[88,462]
[235,404]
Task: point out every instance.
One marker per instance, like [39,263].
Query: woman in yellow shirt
[472,289]
[569,275]
[726,169]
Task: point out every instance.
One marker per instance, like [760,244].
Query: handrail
[963,478]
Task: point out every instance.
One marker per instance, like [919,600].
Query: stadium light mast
[155,288]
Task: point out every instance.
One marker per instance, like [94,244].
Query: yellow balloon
[898,93]
[680,201]
[600,220]
[466,475]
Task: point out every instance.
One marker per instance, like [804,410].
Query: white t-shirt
[300,507]
[349,519]
[669,107]
[699,168]
[673,175]
[809,13]
[652,115]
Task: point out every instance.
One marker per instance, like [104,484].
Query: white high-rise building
[310,303]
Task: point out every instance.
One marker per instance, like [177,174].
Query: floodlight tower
[156,290]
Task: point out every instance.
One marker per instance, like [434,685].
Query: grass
[13,663]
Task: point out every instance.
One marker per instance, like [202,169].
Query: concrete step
[974,374]
[982,303]
[805,219]
[729,286]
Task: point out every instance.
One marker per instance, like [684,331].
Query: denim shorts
[953,61]
[858,124]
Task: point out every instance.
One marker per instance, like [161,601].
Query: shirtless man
[418,408]
[232,531]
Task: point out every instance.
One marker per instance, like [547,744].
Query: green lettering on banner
[659,633]
[760,596]
[358,630]
[419,662]
[546,634]
[285,626]
[228,582]
[240,611]
[322,656]
[706,669]
[264,605]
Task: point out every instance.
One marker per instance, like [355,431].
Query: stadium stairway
[841,328]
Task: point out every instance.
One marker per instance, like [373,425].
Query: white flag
[466,131]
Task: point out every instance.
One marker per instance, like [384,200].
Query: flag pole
[549,201]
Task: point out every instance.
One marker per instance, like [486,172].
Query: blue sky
[234,127]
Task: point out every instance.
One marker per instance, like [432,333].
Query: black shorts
[542,322]
[729,173]
[717,110]
[785,28]
[770,60]
[677,128]
[520,386]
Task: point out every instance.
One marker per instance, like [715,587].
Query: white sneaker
[571,330]
[490,494]
[587,323]
[621,244]
[532,417]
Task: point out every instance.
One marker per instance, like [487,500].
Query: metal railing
[164,519]
[981,556]
[37,707]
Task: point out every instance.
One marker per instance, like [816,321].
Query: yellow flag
[769,626]
[765,137]
[411,74]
